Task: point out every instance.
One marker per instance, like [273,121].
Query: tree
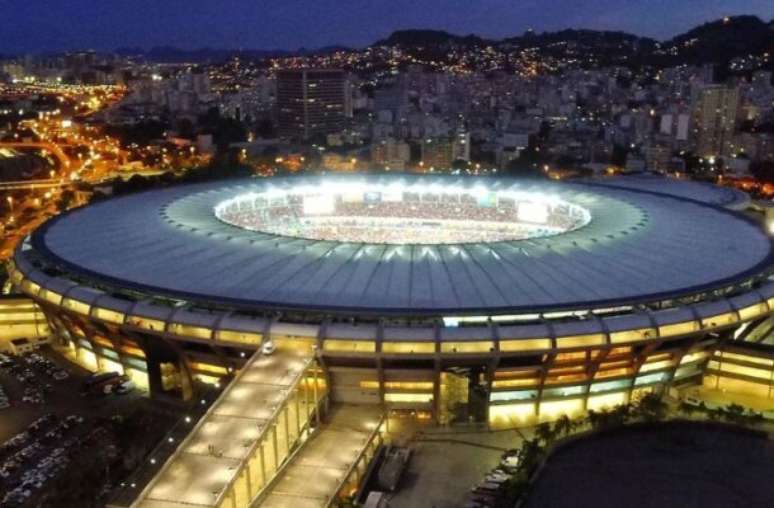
[531,453]
[593,417]
[563,426]
[66,199]
[650,407]
[545,433]
[618,156]
[734,413]
[224,130]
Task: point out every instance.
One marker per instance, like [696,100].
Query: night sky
[57,25]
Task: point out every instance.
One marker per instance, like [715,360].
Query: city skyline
[236,24]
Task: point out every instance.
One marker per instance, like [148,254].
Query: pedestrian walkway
[328,461]
[241,442]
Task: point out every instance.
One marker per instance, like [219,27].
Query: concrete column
[287,429]
[249,480]
[276,451]
[298,412]
[263,465]
[316,400]
[307,405]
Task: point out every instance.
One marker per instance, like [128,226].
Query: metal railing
[354,475]
[227,497]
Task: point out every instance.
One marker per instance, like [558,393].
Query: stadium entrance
[464,396]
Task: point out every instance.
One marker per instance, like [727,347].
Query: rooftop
[638,246]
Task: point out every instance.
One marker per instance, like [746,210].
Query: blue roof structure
[640,246]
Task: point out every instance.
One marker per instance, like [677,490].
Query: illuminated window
[467,347]
[516,413]
[632,335]
[409,397]
[408,347]
[408,385]
[240,337]
[525,345]
[694,357]
[606,372]
[349,346]
[146,323]
[651,366]
[565,391]
[30,287]
[102,341]
[513,383]
[609,400]
[741,370]
[513,395]
[745,358]
[207,367]
[619,351]
[720,320]
[651,378]
[197,332]
[108,315]
[50,296]
[752,311]
[687,371]
[570,357]
[133,351]
[592,339]
[619,384]
[678,329]
[553,410]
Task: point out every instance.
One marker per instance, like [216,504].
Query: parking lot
[45,394]
[440,454]
[46,422]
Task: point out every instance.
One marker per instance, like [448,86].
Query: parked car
[268,347]
[125,387]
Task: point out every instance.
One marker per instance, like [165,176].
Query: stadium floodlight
[536,213]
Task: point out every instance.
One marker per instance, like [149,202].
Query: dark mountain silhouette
[715,42]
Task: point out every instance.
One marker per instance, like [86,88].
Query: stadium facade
[562,297]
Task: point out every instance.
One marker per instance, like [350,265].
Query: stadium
[441,297]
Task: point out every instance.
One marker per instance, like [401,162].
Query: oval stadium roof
[705,192]
[639,246]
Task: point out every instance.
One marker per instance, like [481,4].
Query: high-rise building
[461,146]
[437,153]
[714,114]
[390,153]
[310,102]
[657,157]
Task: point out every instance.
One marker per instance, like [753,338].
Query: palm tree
[563,426]
[651,407]
[593,418]
[545,433]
